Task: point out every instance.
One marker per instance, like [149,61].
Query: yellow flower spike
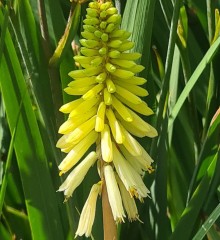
[106,144]
[114,195]
[77,152]
[100,118]
[115,127]
[106,114]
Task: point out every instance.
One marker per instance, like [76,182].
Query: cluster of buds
[106,114]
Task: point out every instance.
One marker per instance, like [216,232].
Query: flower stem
[110,229]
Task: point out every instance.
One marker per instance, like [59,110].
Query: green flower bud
[103,25]
[111,11]
[101,77]
[89,28]
[110,28]
[98,33]
[103,14]
[102,51]
[105,6]
[115,43]
[92,12]
[110,68]
[91,21]
[104,37]
[114,54]
[115,18]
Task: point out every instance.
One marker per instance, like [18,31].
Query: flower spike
[107,113]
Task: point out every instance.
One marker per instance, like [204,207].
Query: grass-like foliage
[179,42]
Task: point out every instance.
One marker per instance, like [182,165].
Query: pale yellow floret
[130,56]
[133,88]
[139,162]
[82,82]
[123,63]
[121,109]
[68,107]
[141,108]
[92,71]
[132,160]
[77,175]
[77,91]
[87,215]
[63,144]
[106,144]
[85,106]
[107,97]
[93,91]
[114,195]
[100,118]
[125,74]
[77,152]
[74,122]
[81,131]
[114,125]
[132,80]
[130,97]
[138,127]
[131,179]
[128,202]
[130,142]
[110,85]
